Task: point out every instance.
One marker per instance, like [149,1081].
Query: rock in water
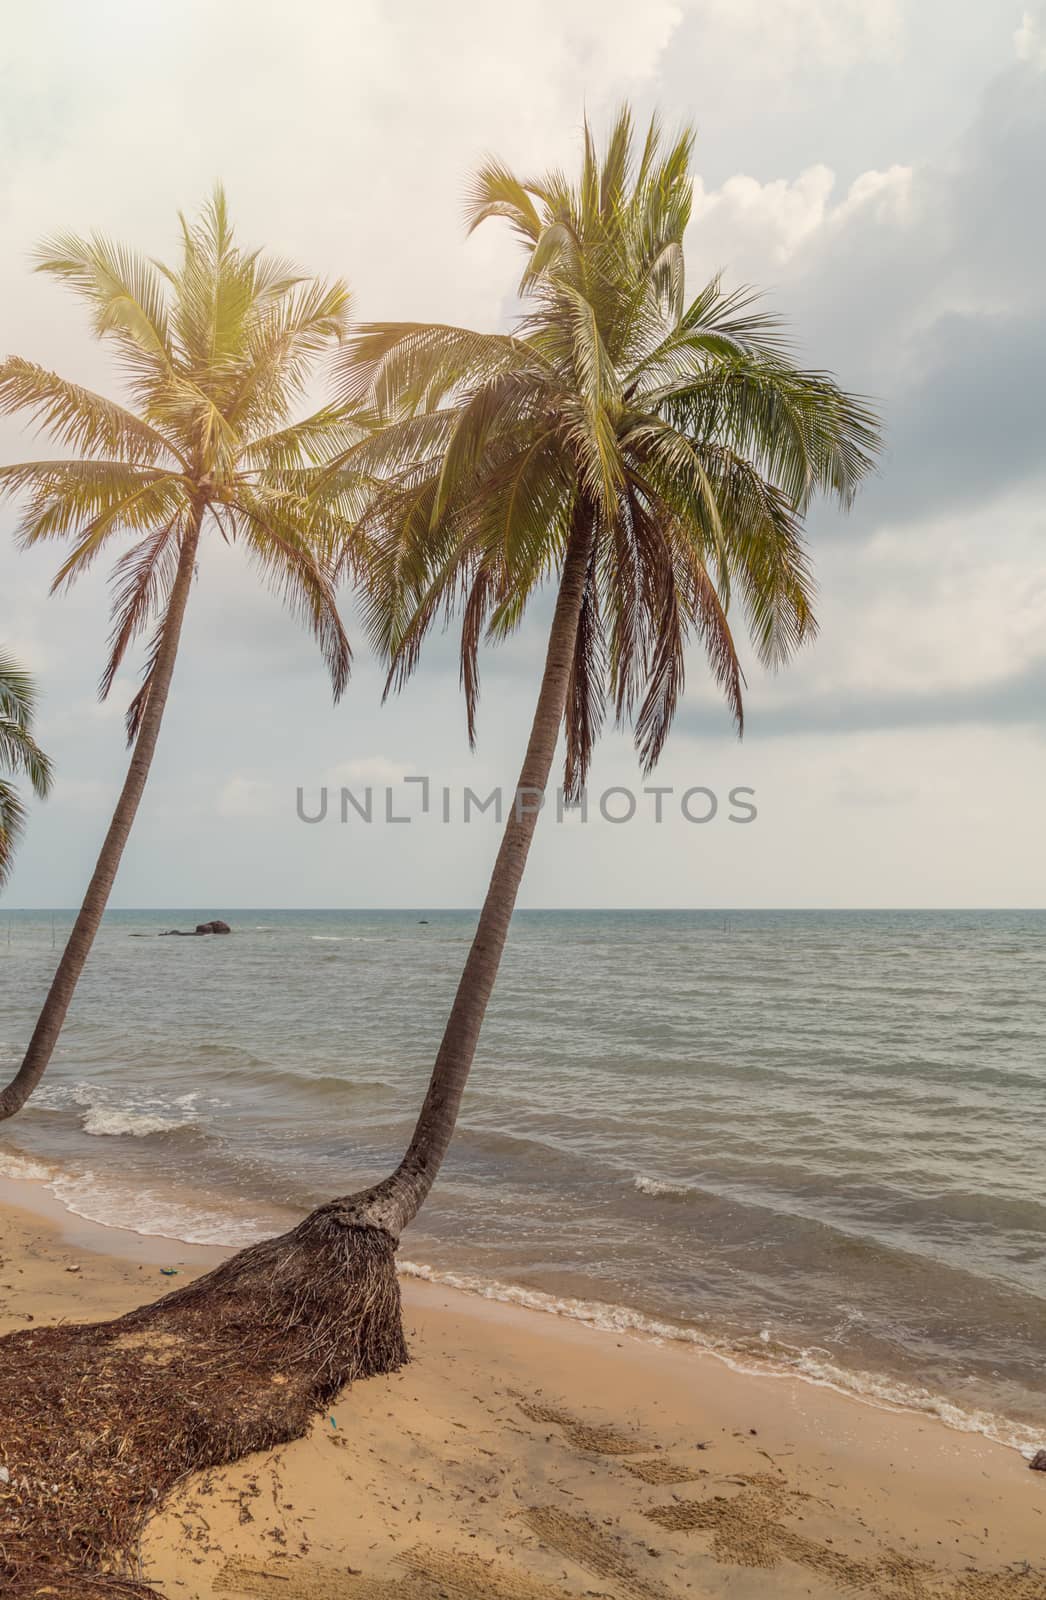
[1038,1461]
[216,926]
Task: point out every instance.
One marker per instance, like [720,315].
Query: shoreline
[512,1437]
[878,1392]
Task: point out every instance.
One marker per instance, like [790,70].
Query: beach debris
[1038,1461]
[169,1272]
[74,1266]
[81,1407]
[333,1423]
[5,1475]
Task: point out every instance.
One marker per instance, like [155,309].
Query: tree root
[98,1421]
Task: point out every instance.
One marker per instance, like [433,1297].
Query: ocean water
[812,1142]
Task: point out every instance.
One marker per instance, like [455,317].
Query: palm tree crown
[677,432]
[215,353]
[652,454]
[20,756]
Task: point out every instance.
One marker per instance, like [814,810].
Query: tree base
[99,1421]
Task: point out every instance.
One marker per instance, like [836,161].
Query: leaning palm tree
[215,353]
[650,456]
[20,755]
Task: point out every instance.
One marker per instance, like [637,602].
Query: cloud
[369,770]
[241,796]
[874,163]
[746,224]
[1018,700]
[920,284]
[802,34]
[1028,42]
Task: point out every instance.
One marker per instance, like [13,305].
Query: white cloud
[1028,41]
[345,134]
[934,609]
[748,224]
[241,796]
[369,770]
[804,33]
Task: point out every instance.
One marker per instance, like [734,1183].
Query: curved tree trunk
[63,985]
[314,1308]
[391,1205]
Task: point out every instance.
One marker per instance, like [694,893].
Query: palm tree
[20,755]
[649,455]
[215,352]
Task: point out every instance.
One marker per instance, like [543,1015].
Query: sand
[524,1457]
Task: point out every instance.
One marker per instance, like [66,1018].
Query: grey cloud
[939,312]
[970,424]
[1017,700]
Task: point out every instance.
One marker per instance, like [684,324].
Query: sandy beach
[520,1456]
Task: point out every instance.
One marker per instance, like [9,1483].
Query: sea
[811,1142]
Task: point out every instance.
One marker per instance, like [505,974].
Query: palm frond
[124,291]
[282,535]
[142,582]
[20,753]
[12,826]
[79,419]
[406,366]
[683,429]
[586,691]
[496,192]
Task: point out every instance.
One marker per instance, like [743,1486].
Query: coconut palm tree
[648,455]
[20,755]
[215,352]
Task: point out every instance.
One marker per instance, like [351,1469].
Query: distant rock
[217,926]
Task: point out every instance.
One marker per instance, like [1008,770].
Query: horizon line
[723,910]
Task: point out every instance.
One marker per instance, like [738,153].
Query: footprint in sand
[747,1531]
[581,1541]
[603,1441]
[661,1471]
[430,1573]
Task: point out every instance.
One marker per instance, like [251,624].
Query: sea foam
[807,1365]
[659,1188]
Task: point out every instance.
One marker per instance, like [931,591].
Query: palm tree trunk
[63,985]
[395,1202]
[320,1305]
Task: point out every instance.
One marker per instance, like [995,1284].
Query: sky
[875,166]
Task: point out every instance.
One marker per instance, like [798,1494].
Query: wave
[146,1212]
[317,1085]
[104,1115]
[111,1122]
[659,1188]
[811,1366]
[23,1169]
[153,1214]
